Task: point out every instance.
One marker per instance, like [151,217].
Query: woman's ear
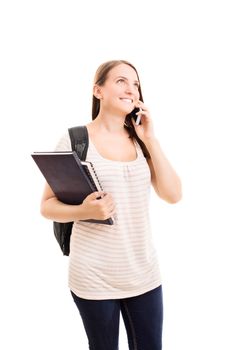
[97,91]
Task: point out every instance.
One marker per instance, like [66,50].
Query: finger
[107,204]
[97,194]
[139,104]
[112,208]
[110,212]
[107,198]
[140,121]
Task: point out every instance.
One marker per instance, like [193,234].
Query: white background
[183,52]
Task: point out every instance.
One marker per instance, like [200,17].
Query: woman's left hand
[145,129]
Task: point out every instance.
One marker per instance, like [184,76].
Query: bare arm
[91,208]
[164,179]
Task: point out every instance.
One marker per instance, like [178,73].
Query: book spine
[87,171]
[96,176]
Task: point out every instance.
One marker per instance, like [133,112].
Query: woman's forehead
[123,70]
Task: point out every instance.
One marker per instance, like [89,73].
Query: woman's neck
[109,124]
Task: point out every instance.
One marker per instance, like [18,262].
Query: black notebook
[70,178]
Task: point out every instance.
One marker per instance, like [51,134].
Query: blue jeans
[142,315]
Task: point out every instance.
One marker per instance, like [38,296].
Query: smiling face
[120,91]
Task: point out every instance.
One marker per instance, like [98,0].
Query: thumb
[96,195]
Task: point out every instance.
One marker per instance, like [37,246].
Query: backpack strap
[79,140]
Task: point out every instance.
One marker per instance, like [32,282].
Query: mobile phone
[136,117]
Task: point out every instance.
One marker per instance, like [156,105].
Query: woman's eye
[122,81]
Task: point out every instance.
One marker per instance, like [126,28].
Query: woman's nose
[129,88]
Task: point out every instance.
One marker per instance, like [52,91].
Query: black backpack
[79,143]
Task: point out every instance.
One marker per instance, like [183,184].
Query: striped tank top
[115,261]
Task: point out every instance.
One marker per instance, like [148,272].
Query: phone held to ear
[136,117]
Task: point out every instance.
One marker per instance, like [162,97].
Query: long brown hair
[100,78]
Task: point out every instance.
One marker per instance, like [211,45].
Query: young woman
[114,268]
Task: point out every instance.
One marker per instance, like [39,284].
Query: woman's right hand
[98,205]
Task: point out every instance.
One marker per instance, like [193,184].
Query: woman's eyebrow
[121,76]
